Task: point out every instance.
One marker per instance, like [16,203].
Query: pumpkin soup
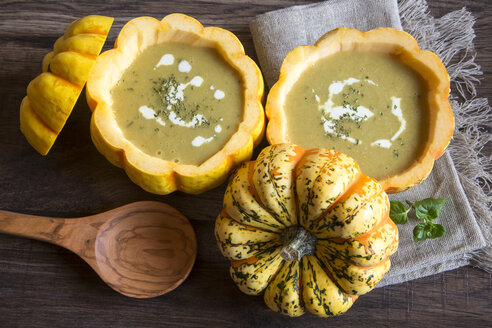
[178,102]
[370,106]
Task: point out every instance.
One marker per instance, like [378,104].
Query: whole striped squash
[307,228]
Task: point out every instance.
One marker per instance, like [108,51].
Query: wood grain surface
[143,249]
[42,285]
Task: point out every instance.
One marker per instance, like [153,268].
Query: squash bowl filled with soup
[374,96]
[176,105]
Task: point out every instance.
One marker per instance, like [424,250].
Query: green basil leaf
[429,231]
[429,208]
[398,212]
[419,232]
[437,231]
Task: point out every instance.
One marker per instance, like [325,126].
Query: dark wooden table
[42,285]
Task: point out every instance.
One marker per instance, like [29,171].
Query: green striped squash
[307,229]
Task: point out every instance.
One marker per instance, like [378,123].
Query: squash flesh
[157,175]
[383,40]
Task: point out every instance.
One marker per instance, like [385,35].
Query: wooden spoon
[141,250]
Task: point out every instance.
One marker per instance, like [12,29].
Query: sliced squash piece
[52,95]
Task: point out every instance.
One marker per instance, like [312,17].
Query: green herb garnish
[168,89]
[427,210]
[398,212]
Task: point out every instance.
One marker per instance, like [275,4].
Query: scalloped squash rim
[151,173]
[384,40]
[52,95]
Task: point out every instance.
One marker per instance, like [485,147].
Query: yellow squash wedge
[383,40]
[307,228]
[154,174]
[52,94]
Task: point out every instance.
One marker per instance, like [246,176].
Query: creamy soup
[178,102]
[368,105]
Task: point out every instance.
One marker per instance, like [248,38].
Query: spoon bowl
[141,250]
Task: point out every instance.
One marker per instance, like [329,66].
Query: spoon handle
[47,229]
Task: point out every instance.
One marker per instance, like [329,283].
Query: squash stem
[299,242]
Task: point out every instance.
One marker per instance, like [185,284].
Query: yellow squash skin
[383,40]
[52,94]
[346,214]
[282,293]
[153,174]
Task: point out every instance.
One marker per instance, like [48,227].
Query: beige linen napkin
[276,33]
